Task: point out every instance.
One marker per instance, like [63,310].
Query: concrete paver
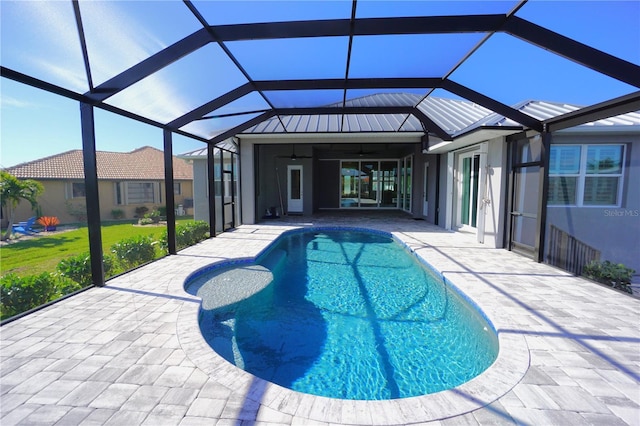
[132,353]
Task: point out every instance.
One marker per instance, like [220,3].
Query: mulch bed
[16,238]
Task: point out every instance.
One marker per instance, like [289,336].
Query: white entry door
[294,189]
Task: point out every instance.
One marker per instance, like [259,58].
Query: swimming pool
[344,314]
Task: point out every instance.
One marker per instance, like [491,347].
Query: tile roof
[145,163]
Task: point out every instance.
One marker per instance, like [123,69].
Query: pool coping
[497,380]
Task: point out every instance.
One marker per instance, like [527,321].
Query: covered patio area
[131,352]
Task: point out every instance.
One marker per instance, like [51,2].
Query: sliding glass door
[369,184]
[349,184]
[468,178]
[369,190]
[388,183]
[405,182]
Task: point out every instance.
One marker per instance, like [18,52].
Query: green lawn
[43,253]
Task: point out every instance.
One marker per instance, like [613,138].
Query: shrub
[117,214]
[141,211]
[145,221]
[153,215]
[187,235]
[614,274]
[78,210]
[49,222]
[78,268]
[19,294]
[135,251]
[162,210]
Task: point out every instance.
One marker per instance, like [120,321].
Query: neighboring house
[126,181]
[485,182]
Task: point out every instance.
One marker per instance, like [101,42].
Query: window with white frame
[586,175]
[140,192]
[136,193]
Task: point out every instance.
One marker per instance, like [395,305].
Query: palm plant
[12,191]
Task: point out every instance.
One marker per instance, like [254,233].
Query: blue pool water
[344,314]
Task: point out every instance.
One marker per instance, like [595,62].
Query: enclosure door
[524,209]
[294,189]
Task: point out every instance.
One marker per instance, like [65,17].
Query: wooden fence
[569,253]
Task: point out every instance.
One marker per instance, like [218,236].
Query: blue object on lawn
[25,227]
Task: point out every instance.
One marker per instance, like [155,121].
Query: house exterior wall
[271,190]
[614,231]
[327,175]
[52,202]
[200,190]
[56,201]
[432,182]
[443,212]
[247,179]
[417,173]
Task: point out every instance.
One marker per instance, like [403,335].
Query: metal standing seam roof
[146,163]
[451,115]
[455,116]
[543,110]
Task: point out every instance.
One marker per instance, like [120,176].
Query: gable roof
[452,115]
[144,163]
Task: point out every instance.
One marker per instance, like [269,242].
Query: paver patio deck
[131,352]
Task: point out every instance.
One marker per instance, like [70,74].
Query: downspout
[437,218]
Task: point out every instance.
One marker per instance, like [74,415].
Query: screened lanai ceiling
[213,69]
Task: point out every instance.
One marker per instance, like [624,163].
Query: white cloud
[11,102]
[46,45]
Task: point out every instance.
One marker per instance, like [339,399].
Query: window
[140,192]
[177,188]
[78,190]
[586,175]
[75,190]
[119,193]
[136,193]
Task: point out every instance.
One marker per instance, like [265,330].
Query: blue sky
[119,34]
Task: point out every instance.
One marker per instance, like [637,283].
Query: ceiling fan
[361,152]
[293,155]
